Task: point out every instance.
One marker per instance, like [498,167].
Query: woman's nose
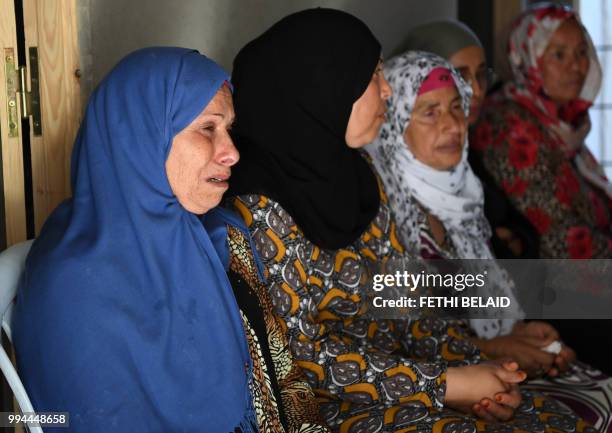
[228,154]
[452,124]
[385,88]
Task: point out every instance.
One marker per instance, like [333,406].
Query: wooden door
[36,157]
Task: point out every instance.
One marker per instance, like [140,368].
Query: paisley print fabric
[585,390]
[369,375]
[279,382]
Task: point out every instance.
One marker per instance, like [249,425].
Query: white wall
[109,29]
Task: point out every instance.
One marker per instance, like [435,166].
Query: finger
[561,363]
[480,412]
[544,359]
[510,365]
[568,353]
[536,341]
[543,330]
[510,376]
[500,412]
[511,399]
[547,330]
[553,372]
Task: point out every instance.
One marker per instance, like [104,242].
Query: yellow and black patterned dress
[276,377]
[370,375]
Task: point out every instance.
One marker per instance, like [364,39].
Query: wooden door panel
[51,26]
[12,151]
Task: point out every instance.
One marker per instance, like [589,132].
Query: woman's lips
[219,180]
[449,147]
[577,83]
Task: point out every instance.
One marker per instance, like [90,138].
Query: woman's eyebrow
[426,105]
[554,46]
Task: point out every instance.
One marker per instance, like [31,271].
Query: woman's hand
[547,332]
[514,244]
[525,350]
[504,405]
[469,386]
[537,329]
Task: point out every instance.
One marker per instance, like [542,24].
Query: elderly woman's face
[471,64]
[436,132]
[199,163]
[368,113]
[565,63]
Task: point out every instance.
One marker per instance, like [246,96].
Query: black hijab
[295,86]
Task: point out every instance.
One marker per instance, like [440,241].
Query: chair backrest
[12,262]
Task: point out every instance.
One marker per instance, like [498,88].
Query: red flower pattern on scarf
[516,188]
[540,219]
[482,137]
[579,243]
[599,208]
[523,152]
[567,185]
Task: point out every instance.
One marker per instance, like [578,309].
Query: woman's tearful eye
[207,129]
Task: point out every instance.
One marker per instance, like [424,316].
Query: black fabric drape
[295,86]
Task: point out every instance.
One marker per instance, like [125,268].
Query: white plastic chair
[12,262]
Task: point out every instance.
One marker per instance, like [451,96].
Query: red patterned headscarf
[530,35]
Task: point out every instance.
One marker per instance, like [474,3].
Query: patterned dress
[572,216]
[370,375]
[535,150]
[276,376]
[584,389]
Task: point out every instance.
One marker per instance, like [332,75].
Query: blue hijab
[125,316]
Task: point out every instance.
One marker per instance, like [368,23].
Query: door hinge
[17,93]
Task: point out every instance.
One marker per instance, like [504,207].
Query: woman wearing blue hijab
[126,317]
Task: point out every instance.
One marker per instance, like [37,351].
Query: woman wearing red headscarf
[531,135]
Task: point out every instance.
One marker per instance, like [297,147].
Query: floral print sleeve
[318,295]
[571,216]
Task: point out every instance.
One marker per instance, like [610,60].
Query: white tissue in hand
[554,347]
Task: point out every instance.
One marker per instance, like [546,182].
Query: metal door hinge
[17,93]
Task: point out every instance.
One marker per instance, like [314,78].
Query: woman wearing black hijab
[290,82]
[308,92]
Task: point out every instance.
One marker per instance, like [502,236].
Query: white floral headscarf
[454,196]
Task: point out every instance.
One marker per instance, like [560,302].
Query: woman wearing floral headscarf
[437,202]
[513,236]
[421,155]
[531,135]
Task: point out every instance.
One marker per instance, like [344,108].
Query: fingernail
[498,398]
[485,403]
